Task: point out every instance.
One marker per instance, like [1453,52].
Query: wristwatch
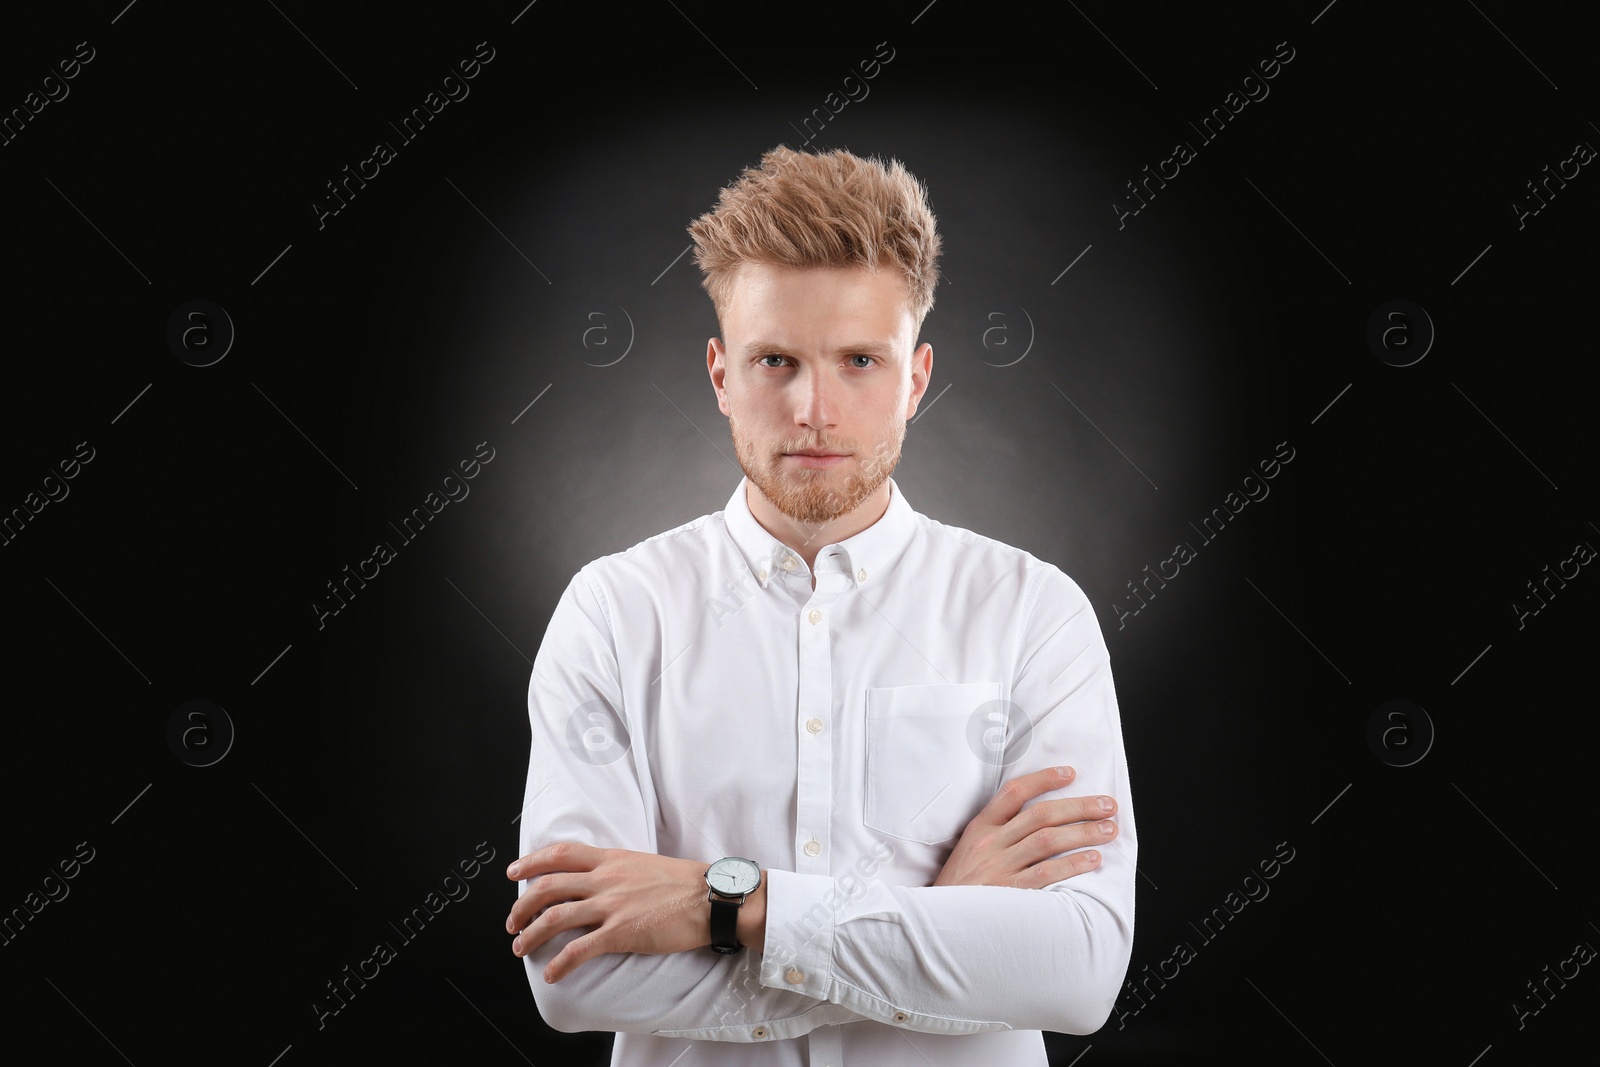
[728,882]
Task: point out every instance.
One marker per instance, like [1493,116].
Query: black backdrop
[182,887]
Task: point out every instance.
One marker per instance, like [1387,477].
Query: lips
[815,460]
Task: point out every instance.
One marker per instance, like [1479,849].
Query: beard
[812,496]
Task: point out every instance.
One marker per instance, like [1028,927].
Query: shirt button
[760,1031]
[861,575]
[815,616]
[814,725]
[900,1016]
[813,848]
[763,574]
[795,976]
[788,563]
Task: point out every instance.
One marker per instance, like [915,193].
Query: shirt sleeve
[964,959]
[587,783]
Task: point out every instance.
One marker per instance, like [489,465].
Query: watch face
[733,876]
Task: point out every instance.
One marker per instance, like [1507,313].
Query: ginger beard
[811,495]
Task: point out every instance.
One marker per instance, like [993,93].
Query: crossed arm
[644,903]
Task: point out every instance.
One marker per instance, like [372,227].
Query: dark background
[521,251]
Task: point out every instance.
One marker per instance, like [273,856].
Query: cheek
[895,404]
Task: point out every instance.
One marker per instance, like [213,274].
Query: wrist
[733,882]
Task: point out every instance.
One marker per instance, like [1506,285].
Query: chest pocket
[926,776]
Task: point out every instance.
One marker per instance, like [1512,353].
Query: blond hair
[828,209]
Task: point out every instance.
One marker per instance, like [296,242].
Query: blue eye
[762,360]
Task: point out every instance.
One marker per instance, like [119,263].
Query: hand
[631,901]
[1004,845]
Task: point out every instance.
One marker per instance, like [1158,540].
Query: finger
[561,856]
[579,950]
[1067,810]
[1010,797]
[568,915]
[1048,873]
[1053,840]
[547,891]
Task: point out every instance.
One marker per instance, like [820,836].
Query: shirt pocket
[926,778]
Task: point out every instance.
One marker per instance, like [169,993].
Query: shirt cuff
[801,912]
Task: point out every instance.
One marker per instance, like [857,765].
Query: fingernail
[516,946]
[511,926]
[1065,772]
[1107,827]
[511,871]
[1106,804]
[1092,856]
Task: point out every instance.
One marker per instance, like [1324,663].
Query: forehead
[817,303]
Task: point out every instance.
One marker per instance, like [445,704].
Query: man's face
[818,359]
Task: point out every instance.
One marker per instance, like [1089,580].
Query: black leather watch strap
[724,924]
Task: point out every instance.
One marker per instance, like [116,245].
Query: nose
[816,406]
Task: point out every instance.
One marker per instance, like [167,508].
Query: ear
[717,368]
[921,374]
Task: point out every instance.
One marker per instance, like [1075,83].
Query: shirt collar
[864,557]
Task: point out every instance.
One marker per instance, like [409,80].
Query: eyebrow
[871,348]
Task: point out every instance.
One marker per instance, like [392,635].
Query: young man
[799,788]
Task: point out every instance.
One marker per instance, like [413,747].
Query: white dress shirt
[695,697]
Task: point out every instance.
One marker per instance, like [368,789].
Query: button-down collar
[861,556]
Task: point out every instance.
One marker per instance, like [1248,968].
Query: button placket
[814,788]
[825,1045]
